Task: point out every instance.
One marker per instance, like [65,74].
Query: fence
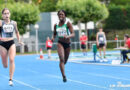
[31,47]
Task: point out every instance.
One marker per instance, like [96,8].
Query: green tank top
[62,30]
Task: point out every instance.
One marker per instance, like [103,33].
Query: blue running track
[33,74]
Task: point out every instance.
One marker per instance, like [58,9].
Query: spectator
[49,46]
[126,45]
[83,40]
[101,42]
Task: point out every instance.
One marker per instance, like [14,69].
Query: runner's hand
[21,43]
[66,37]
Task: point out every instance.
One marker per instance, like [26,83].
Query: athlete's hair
[61,11]
[4,10]
[126,35]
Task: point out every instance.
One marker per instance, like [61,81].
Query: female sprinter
[64,30]
[7,46]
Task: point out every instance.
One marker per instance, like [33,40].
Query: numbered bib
[101,39]
[61,32]
[49,44]
[8,28]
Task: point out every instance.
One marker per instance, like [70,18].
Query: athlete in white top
[101,41]
[7,46]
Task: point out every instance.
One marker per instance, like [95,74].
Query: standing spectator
[83,40]
[49,46]
[101,42]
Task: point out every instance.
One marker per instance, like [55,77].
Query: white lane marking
[101,64]
[101,75]
[22,83]
[54,76]
[108,76]
[94,74]
[76,81]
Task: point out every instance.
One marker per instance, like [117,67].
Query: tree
[47,5]
[116,2]
[24,14]
[84,10]
[4,2]
[120,2]
[119,17]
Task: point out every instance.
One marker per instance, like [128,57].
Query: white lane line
[54,76]
[22,83]
[101,64]
[76,81]
[101,75]
[109,76]
[94,74]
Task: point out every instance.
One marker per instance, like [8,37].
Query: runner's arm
[54,33]
[69,25]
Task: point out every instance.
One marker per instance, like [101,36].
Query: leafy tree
[84,10]
[6,1]
[47,5]
[24,14]
[120,2]
[116,2]
[27,1]
[119,17]
[44,5]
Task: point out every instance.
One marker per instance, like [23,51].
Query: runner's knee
[11,60]
[61,61]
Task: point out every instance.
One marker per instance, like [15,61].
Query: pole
[117,41]
[36,26]
[36,41]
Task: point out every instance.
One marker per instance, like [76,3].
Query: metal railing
[31,47]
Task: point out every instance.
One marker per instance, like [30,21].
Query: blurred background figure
[48,47]
[101,42]
[127,46]
[83,42]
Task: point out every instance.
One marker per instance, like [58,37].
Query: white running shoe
[10,82]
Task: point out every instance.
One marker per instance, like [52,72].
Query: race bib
[8,28]
[49,44]
[101,39]
[62,32]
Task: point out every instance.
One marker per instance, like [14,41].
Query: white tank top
[7,29]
